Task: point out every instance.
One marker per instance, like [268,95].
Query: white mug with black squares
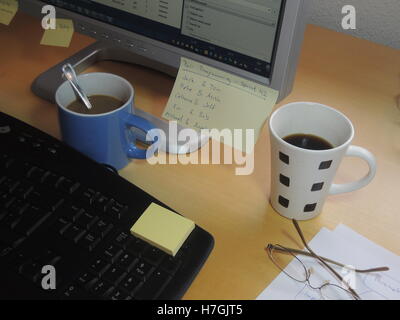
[301,179]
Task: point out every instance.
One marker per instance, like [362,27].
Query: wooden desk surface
[357,77]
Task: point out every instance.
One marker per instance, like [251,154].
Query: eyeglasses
[298,270]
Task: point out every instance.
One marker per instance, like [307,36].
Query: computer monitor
[259,40]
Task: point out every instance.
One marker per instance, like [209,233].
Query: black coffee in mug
[100,104]
[308,141]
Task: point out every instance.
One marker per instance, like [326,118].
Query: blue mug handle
[132,120]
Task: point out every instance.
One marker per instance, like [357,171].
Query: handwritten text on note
[204,97]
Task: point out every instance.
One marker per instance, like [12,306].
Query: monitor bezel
[284,63]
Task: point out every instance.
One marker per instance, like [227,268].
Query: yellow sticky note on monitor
[8,9]
[204,97]
[60,36]
[163,228]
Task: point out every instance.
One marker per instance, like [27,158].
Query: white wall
[377,20]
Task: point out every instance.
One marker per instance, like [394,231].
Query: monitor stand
[46,84]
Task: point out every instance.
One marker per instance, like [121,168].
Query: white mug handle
[354,151]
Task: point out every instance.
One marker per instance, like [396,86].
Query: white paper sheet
[348,247]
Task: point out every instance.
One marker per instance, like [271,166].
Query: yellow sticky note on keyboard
[8,9]
[163,228]
[60,36]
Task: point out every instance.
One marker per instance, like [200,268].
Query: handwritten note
[8,9]
[60,36]
[204,97]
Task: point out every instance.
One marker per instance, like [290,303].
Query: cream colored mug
[301,179]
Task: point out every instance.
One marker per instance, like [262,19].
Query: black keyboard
[59,208]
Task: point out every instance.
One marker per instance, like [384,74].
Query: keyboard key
[18,261]
[86,280]
[32,220]
[21,169]
[6,199]
[66,185]
[36,174]
[74,233]
[86,220]
[11,220]
[142,269]
[24,138]
[5,161]
[120,295]
[86,195]
[101,202]
[61,225]
[114,275]
[18,207]
[153,255]
[116,210]
[171,264]
[131,284]
[50,179]
[102,228]
[5,250]
[90,241]
[99,266]
[126,261]
[31,270]
[73,291]
[53,150]
[44,199]
[102,288]
[7,184]
[122,239]
[153,286]
[48,257]
[37,145]
[137,246]
[112,253]
[70,211]
[22,189]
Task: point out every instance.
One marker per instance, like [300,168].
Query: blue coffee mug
[106,137]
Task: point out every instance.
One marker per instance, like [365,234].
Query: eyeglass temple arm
[305,253]
[322,261]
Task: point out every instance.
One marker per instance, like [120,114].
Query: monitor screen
[240,33]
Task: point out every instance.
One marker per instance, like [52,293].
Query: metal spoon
[70,75]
